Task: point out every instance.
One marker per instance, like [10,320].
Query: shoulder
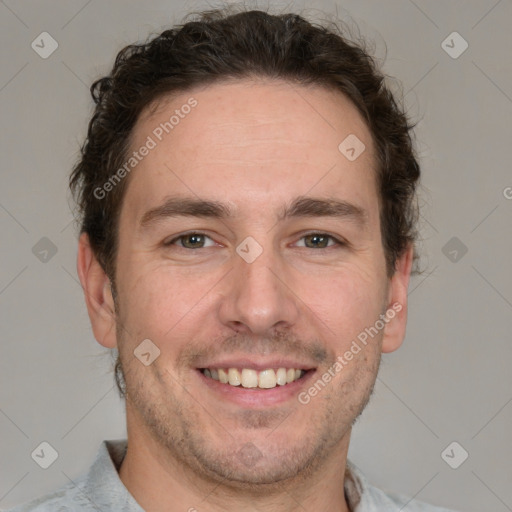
[364,497]
[411,505]
[98,489]
[65,499]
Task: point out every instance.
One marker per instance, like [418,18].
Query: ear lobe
[394,332]
[98,294]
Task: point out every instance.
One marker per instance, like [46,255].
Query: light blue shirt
[101,490]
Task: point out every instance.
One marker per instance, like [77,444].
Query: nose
[256,296]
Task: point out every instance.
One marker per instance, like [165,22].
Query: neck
[159,483]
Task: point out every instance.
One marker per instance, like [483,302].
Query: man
[247,197]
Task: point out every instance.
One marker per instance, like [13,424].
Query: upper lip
[258,364]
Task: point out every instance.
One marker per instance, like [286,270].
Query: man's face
[210,299]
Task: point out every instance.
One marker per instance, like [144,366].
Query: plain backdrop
[451,379]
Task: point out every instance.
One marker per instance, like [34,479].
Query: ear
[98,294]
[394,332]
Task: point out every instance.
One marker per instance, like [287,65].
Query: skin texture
[256,146]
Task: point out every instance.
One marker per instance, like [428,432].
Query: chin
[259,463]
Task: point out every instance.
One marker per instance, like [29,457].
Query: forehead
[248,142]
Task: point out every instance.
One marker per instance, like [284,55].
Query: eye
[319,241]
[196,240]
[190,241]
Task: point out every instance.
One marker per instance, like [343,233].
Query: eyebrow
[301,206]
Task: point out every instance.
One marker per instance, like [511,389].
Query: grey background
[450,381]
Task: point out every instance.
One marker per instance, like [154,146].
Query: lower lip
[257,397]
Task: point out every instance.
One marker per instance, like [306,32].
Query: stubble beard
[240,464]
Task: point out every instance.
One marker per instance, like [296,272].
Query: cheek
[347,301]
[158,302]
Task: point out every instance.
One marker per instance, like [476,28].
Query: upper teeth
[249,378]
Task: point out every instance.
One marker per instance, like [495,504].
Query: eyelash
[337,241]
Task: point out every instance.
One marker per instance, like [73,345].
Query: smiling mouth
[249,378]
